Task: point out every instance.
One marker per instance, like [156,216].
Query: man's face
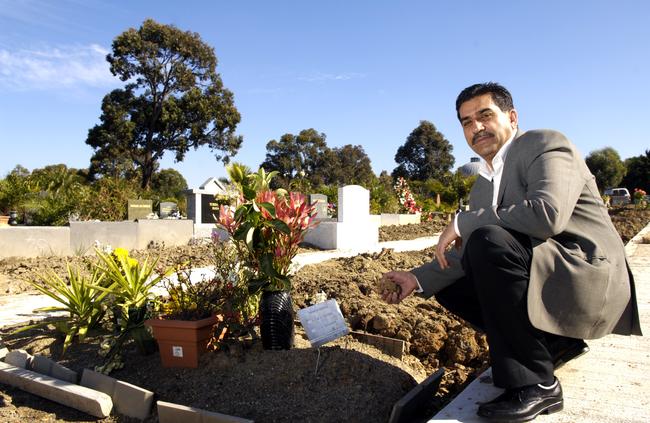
[486,126]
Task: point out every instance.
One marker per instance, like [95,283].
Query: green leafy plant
[639,196]
[267,227]
[237,307]
[130,285]
[131,282]
[80,296]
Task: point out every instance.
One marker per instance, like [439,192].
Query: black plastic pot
[276,315]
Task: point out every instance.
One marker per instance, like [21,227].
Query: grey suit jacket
[580,283]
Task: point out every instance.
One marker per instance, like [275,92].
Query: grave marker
[139,209]
[166,208]
[354,204]
[320,205]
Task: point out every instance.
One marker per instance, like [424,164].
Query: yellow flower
[133,262]
[121,252]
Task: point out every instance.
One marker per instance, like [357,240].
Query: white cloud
[55,68]
[320,76]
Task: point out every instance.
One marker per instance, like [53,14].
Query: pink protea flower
[227,219]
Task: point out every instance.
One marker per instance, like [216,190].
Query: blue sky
[362,72]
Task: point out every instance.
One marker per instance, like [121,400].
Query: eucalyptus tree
[173,100]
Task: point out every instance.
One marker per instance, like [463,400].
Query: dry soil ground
[353,381]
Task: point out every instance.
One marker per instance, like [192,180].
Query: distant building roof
[471,168]
[214,185]
[210,186]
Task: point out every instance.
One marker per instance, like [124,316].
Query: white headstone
[354,204]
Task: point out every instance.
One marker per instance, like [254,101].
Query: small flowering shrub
[266,228]
[188,300]
[331,210]
[405,197]
[236,306]
[639,197]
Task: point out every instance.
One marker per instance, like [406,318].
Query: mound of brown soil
[352,382]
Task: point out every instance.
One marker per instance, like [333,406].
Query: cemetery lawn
[353,382]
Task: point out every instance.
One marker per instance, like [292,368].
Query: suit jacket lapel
[505,177]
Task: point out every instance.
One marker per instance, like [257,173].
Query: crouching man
[538,264]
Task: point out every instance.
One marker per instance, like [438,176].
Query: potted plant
[187,316]
[267,227]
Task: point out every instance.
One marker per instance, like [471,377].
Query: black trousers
[492,296]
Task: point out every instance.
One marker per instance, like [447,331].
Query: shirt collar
[497,161]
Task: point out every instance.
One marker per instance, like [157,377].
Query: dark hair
[500,95]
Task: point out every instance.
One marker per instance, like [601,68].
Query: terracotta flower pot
[4,220]
[181,342]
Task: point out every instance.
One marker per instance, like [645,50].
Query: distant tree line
[610,171]
[54,194]
[173,100]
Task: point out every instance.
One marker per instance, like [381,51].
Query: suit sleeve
[552,179]
[433,279]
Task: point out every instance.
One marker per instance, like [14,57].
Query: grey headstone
[139,209]
[320,205]
[166,208]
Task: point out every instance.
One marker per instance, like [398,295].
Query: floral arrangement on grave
[405,196]
[639,197]
[266,228]
[186,317]
[186,299]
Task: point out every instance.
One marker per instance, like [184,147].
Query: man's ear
[514,118]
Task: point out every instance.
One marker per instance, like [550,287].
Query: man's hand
[405,280]
[446,238]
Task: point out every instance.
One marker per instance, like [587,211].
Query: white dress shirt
[491,173]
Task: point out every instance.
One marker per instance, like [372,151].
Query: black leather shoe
[564,350]
[523,404]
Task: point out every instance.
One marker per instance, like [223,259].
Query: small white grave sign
[323,322]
